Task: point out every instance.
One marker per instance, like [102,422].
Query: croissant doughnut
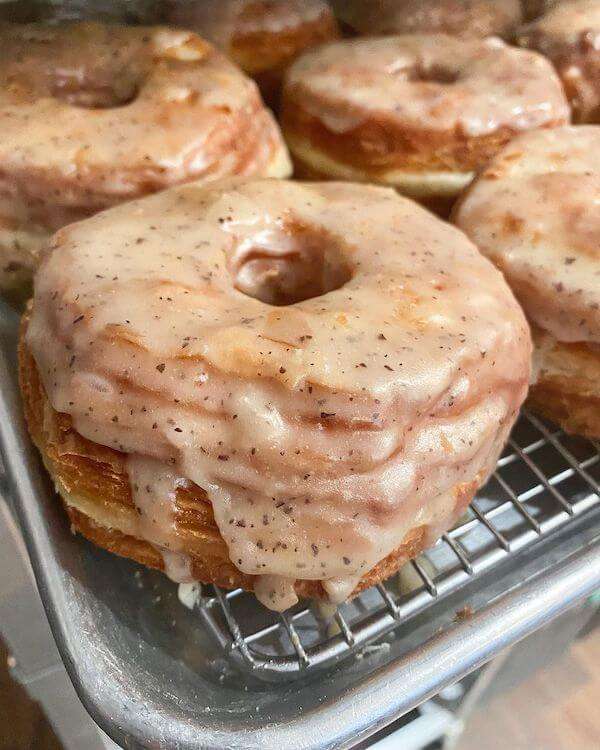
[93,115]
[287,387]
[534,212]
[421,113]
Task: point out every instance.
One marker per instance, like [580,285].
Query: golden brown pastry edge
[566,391]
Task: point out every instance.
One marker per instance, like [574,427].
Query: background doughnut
[534,212]
[92,115]
[471,18]
[569,35]
[421,113]
[328,367]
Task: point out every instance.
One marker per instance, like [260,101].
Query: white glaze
[275,592]
[189,594]
[178,566]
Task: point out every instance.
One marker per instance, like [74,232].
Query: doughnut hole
[436,73]
[89,92]
[282,267]
[427,73]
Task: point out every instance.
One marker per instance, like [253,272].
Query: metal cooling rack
[543,481]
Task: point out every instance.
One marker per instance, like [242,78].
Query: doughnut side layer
[379,145]
[258,51]
[436,190]
[566,385]
[94,487]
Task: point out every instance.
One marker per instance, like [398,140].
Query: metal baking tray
[154,674]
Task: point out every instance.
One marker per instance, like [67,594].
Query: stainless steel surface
[152,674]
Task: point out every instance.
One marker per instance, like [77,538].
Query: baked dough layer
[566,387]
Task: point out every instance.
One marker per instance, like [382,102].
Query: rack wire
[544,480]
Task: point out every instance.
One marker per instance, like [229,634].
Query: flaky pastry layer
[94,488]
[566,390]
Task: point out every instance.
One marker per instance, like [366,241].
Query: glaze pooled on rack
[333,366]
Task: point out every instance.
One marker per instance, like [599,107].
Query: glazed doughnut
[534,212]
[283,386]
[261,36]
[470,18]
[94,115]
[569,35]
[419,113]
